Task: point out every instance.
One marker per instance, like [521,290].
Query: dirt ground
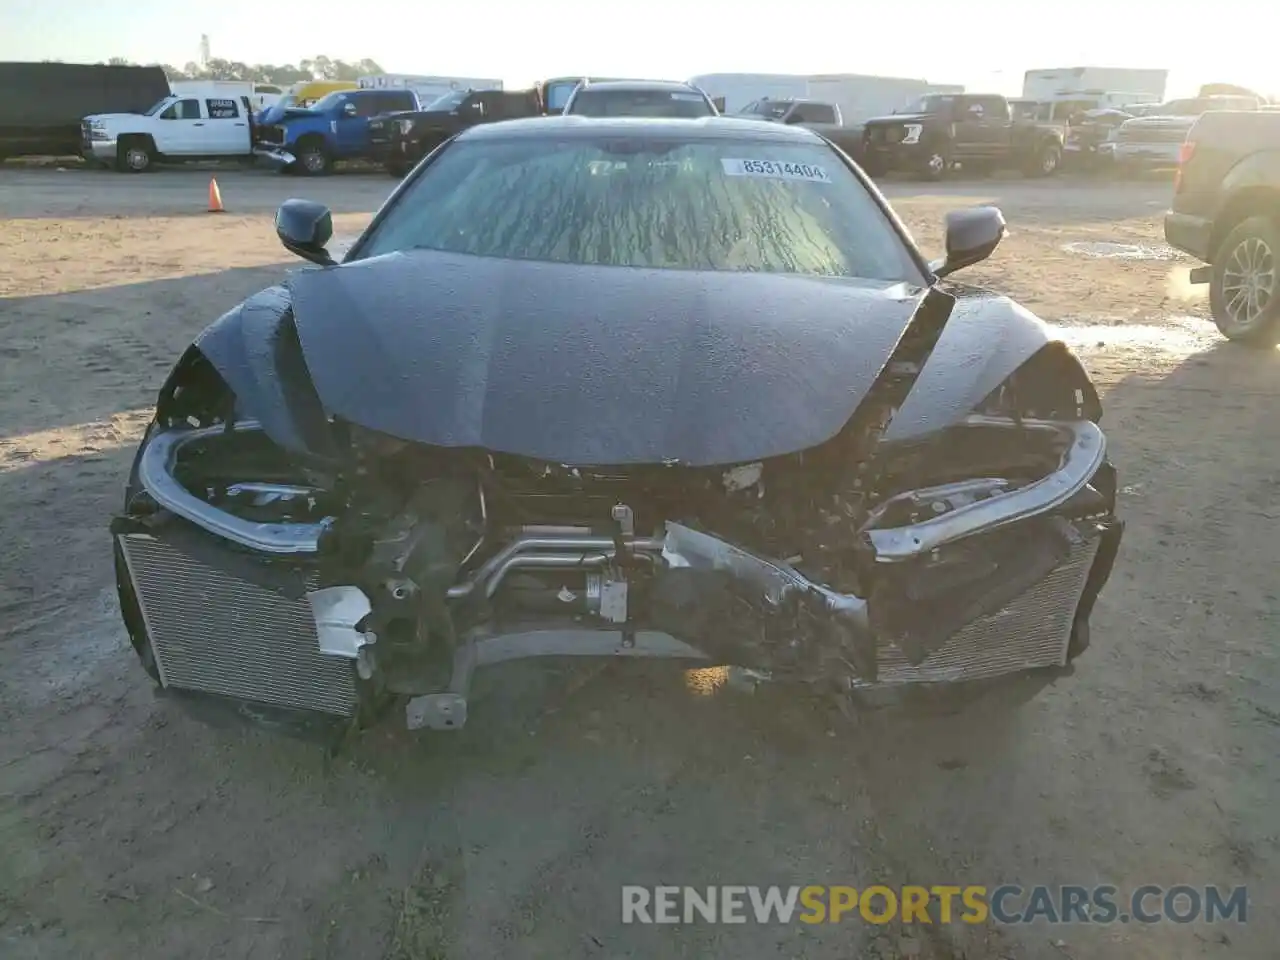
[127,829]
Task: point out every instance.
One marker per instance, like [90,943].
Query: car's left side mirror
[971,236]
[305,229]
[349,110]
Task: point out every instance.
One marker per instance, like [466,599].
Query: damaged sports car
[637,388]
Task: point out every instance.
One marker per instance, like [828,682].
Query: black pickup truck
[976,132]
[1226,212]
[402,139]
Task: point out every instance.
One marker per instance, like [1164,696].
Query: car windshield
[639,103]
[557,93]
[717,205]
[159,105]
[773,109]
[448,101]
[330,101]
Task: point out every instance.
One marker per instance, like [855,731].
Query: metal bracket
[338,612]
[448,710]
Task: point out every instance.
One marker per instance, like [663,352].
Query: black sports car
[633,387]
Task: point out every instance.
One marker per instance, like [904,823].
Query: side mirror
[718,103]
[972,236]
[348,109]
[305,228]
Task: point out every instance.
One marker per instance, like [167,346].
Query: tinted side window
[222,109]
[397,100]
[815,113]
[188,109]
[993,108]
[369,105]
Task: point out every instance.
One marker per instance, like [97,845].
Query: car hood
[437,117]
[395,115]
[898,118]
[600,365]
[110,118]
[1149,123]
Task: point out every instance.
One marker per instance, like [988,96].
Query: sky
[986,45]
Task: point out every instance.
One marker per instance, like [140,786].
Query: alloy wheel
[1249,282]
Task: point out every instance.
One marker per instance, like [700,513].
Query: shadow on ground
[1154,754]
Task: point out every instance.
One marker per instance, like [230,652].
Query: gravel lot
[127,829]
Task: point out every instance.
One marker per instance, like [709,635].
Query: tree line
[316,68]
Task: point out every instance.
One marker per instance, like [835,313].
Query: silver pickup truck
[822,118]
[1153,141]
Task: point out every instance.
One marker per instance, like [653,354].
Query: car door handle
[198,123]
[239,123]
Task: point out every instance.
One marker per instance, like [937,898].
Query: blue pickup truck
[335,128]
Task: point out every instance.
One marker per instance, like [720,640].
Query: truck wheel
[1244,289]
[135,155]
[1046,161]
[397,168]
[936,167]
[313,157]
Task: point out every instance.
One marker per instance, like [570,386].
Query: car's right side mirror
[305,229]
[972,235]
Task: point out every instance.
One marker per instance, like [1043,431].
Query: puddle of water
[1121,251]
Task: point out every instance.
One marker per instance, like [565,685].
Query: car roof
[639,85]
[699,128]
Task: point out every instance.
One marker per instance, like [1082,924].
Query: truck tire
[135,154]
[1244,287]
[397,167]
[313,157]
[937,166]
[1046,160]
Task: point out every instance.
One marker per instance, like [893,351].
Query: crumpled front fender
[254,348]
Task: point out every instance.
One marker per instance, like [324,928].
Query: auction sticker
[774,169]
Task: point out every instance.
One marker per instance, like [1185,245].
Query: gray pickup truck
[1152,141]
[1226,212]
[822,118]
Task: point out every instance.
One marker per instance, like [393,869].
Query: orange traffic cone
[215,196]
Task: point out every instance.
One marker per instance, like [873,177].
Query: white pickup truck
[177,128]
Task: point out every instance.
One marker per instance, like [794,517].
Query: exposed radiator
[1033,631]
[214,630]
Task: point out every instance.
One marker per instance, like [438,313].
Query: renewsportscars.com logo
[1006,904]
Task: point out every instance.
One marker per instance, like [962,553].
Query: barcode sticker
[775,169]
